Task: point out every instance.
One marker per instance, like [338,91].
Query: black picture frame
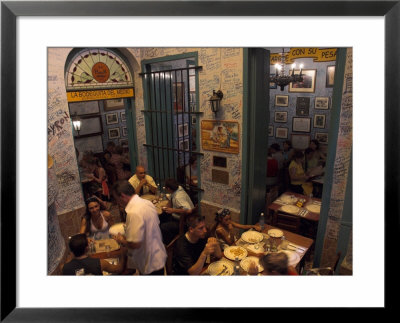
[281,116]
[9,14]
[272,85]
[302,106]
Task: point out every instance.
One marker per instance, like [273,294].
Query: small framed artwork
[321,102]
[301,124]
[183,130]
[113,133]
[123,116]
[123,142]
[308,83]
[114,104]
[302,106]
[184,144]
[272,85]
[319,121]
[281,133]
[270,130]
[194,119]
[300,141]
[322,137]
[112,118]
[330,75]
[281,100]
[124,131]
[281,116]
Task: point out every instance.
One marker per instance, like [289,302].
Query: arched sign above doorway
[98,74]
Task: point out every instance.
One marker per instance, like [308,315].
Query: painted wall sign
[100,72]
[318,54]
[76,96]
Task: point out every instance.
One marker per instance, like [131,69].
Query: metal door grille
[169,108]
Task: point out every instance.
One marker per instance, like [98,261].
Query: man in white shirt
[179,205]
[146,251]
[142,183]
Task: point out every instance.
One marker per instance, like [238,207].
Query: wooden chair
[170,255]
[325,271]
[286,222]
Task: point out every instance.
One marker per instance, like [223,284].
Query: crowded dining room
[208,161]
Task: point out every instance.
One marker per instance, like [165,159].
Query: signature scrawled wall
[222,68]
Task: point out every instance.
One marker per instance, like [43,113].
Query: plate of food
[245,263]
[252,236]
[290,199]
[117,228]
[275,233]
[293,257]
[313,208]
[220,268]
[291,209]
[234,251]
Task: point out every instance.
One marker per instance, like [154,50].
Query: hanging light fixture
[76,122]
[280,78]
[215,100]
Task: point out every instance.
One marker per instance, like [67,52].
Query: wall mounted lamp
[76,122]
[215,100]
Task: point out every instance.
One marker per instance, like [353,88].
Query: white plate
[245,263]
[220,268]
[275,233]
[234,251]
[313,208]
[252,236]
[293,257]
[292,209]
[288,199]
[253,248]
[117,228]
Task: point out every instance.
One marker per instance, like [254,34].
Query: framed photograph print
[281,133]
[194,119]
[112,118]
[280,116]
[322,137]
[270,130]
[300,141]
[220,135]
[124,131]
[321,103]
[308,83]
[319,120]
[281,100]
[123,143]
[114,104]
[301,124]
[330,75]
[272,85]
[302,106]
[184,144]
[113,133]
[123,116]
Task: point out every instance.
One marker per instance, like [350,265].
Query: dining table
[295,246]
[158,203]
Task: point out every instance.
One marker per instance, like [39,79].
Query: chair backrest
[170,255]
[286,222]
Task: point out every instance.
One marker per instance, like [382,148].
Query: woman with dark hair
[224,227]
[287,152]
[298,178]
[99,178]
[96,222]
[318,155]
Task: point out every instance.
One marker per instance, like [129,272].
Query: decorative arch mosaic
[97,68]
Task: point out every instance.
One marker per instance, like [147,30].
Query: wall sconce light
[215,100]
[76,122]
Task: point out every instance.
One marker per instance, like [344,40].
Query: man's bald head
[140,172]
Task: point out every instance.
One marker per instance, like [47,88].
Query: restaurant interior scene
[199,161]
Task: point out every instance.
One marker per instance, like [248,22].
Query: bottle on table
[163,193]
[158,192]
[236,269]
[262,221]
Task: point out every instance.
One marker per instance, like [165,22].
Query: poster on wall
[220,135]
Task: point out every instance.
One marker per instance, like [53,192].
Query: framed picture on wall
[281,100]
[123,116]
[123,142]
[112,118]
[177,95]
[281,133]
[114,104]
[308,83]
[82,108]
[124,131]
[280,116]
[301,124]
[270,130]
[319,120]
[194,119]
[300,141]
[322,137]
[113,133]
[330,75]
[90,126]
[184,144]
[272,85]
[321,102]
[302,106]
